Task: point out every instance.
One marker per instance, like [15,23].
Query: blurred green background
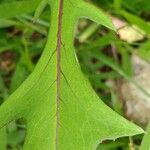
[117,64]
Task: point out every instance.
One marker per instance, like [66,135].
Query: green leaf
[88,32]
[146,140]
[117,4]
[93,13]
[19,76]
[109,62]
[4,23]
[14,9]
[144,50]
[40,9]
[61,109]
[126,61]
[3,139]
[2,131]
[133,19]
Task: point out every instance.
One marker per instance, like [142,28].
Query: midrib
[58,50]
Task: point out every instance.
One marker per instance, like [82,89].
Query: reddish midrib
[58,49]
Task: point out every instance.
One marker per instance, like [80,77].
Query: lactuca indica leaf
[61,109]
